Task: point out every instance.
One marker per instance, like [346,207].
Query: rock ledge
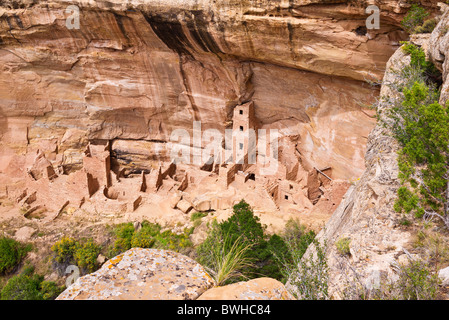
[142,274]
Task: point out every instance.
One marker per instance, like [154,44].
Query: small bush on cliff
[82,253]
[22,287]
[414,18]
[242,225]
[143,239]
[265,251]
[123,237]
[308,274]
[423,133]
[11,253]
[425,70]
[297,236]
[228,260]
[295,241]
[86,255]
[343,246]
[30,286]
[64,250]
[415,281]
[150,235]
[196,218]
[426,27]
[421,126]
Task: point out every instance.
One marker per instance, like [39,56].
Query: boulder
[24,233]
[142,274]
[443,274]
[256,289]
[184,206]
[202,205]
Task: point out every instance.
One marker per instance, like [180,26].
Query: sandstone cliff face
[137,70]
[366,215]
[437,48]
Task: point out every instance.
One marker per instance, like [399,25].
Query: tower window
[286,197]
[241,128]
[241,111]
[241,146]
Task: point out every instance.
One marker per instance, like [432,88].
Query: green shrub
[296,235]
[423,133]
[11,253]
[308,274]
[244,225]
[64,250]
[228,260]
[172,241]
[421,126]
[143,239]
[50,290]
[82,253]
[30,286]
[343,246]
[414,18]
[277,248]
[86,255]
[416,282]
[404,221]
[289,247]
[427,26]
[150,235]
[407,201]
[197,216]
[123,233]
[22,287]
[426,69]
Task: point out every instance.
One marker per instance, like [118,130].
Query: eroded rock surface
[142,274]
[366,215]
[256,289]
[438,47]
[136,71]
[377,243]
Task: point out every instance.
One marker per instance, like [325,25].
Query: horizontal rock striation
[139,70]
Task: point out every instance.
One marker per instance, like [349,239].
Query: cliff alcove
[113,121]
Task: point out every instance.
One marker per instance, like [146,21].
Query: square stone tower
[244,134]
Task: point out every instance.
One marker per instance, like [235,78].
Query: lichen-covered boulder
[142,274]
[256,289]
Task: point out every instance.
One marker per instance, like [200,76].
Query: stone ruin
[96,187]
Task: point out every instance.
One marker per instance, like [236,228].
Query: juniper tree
[421,126]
